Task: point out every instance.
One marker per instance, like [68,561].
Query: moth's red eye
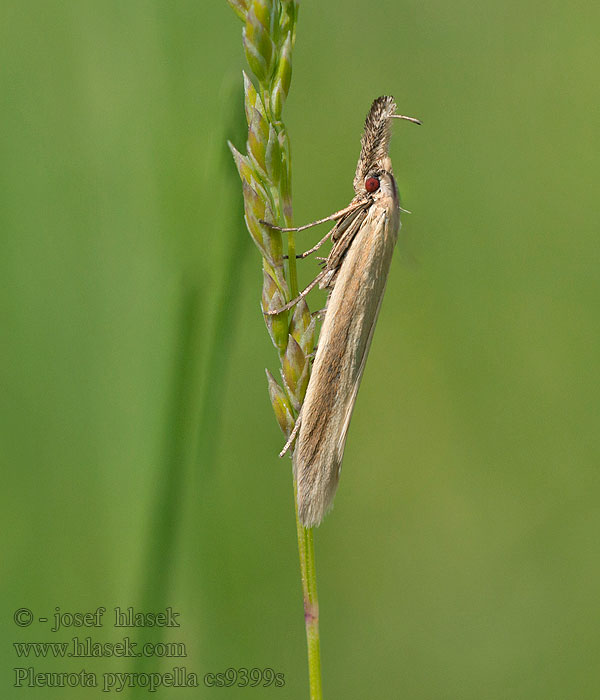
[372,184]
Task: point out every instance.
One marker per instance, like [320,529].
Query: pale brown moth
[355,273]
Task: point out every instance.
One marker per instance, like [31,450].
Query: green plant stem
[311,604]
[268,37]
[306,548]
[293,277]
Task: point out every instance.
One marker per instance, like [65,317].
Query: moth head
[375,142]
[380,183]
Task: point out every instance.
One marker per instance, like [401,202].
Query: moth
[355,274]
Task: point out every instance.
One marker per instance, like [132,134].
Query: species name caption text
[84,646]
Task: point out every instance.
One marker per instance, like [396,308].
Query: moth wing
[352,398]
[343,347]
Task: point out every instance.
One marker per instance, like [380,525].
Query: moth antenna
[409,119]
[292,436]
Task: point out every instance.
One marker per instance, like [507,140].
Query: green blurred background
[138,444]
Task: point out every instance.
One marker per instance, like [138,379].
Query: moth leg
[292,436]
[332,217]
[313,249]
[316,247]
[302,294]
